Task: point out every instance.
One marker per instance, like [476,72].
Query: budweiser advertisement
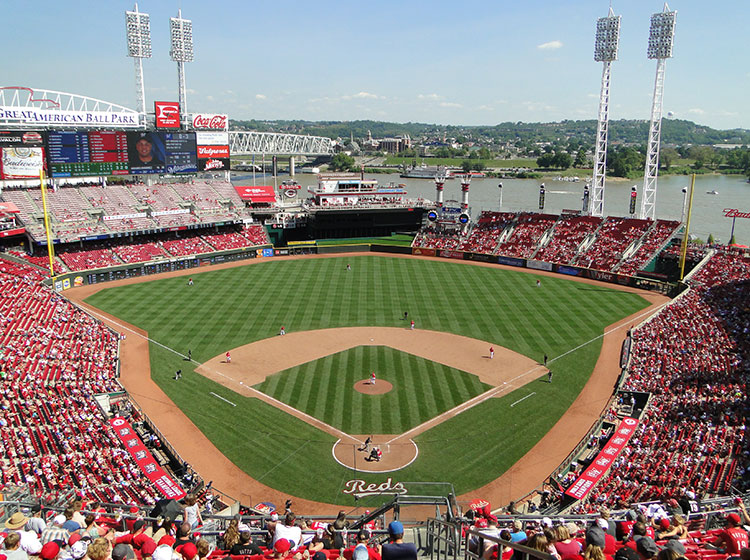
[167,114]
[153,471]
[604,460]
[203,121]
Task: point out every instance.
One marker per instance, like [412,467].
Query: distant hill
[674,131]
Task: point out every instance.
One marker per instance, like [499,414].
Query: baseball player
[229,358]
[492,352]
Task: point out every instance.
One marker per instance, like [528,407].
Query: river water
[523,194]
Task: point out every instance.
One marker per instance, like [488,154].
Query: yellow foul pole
[687,229]
[50,249]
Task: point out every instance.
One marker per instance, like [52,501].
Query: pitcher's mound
[368,388]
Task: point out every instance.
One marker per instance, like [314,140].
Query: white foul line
[523,398]
[222,398]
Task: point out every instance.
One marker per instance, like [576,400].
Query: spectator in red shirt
[734,538]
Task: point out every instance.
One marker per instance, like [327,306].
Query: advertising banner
[479,257]
[37,117]
[29,138]
[211,122]
[213,152]
[11,232]
[180,152]
[511,261]
[256,193]
[570,270]
[445,253]
[604,460]
[214,164]
[153,471]
[539,265]
[167,114]
[21,162]
[212,138]
[124,216]
[423,252]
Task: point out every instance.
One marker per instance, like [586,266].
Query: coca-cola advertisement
[167,114]
[202,121]
[213,164]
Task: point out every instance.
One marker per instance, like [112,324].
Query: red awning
[257,193]
[8,208]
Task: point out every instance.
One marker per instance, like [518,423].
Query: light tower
[181,35]
[439,182]
[605,51]
[138,32]
[465,182]
[660,40]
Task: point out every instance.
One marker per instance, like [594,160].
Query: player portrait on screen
[146,152]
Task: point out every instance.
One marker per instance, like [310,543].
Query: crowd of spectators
[119,251]
[569,233]
[661,232]
[585,241]
[614,236]
[54,358]
[527,232]
[693,357]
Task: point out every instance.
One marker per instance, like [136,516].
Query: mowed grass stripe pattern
[323,389]
[231,307]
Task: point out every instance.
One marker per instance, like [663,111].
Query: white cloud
[209,98]
[361,95]
[696,111]
[191,91]
[550,46]
[260,96]
[451,105]
[430,96]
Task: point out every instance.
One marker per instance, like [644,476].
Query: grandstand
[690,361]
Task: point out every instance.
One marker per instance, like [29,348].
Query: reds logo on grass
[167,114]
[360,488]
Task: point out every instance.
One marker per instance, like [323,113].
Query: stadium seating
[54,359]
[661,232]
[526,234]
[569,233]
[692,358]
[614,236]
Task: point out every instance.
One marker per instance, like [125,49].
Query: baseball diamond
[232,307]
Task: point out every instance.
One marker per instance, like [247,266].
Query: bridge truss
[260,143]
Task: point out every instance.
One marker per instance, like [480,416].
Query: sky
[476,62]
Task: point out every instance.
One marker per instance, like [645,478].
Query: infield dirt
[528,473]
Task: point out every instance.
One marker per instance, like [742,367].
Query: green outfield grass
[316,389]
[231,307]
[402,240]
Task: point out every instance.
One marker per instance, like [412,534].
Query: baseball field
[281,404]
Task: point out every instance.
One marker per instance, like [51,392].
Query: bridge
[271,143]
[24,107]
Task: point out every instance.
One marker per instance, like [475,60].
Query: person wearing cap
[50,551]
[732,539]
[397,549]
[188,551]
[147,550]
[162,552]
[144,152]
[490,531]
[647,548]
[595,543]
[626,553]
[676,530]
[30,542]
[518,534]
[78,549]
[282,549]
[361,551]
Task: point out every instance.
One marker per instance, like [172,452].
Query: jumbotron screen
[77,153]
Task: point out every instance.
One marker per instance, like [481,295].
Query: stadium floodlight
[660,41]
[181,37]
[138,33]
[607,38]
[605,51]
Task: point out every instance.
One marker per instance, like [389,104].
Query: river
[523,194]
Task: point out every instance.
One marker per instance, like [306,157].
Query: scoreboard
[77,154]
